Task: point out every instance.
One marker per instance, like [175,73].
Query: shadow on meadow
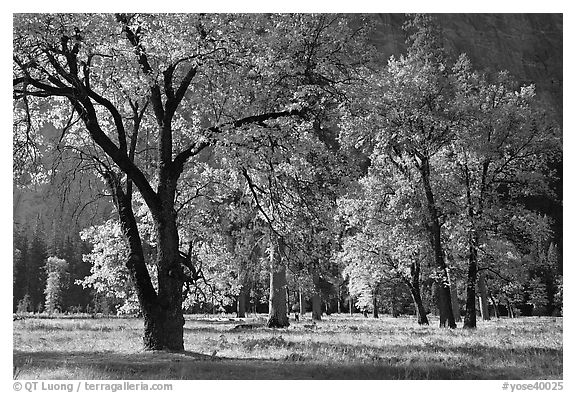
[191,365]
[333,349]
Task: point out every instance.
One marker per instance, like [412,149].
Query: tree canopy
[237,147]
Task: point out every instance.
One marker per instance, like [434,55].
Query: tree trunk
[158,331]
[350,305]
[316,307]
[420,311]
[316,299]
[277,314]
[496,311]
[484,310]
[435,239]
[473,240]
[301,301]
[510,309]
[241,302]
[454,299]
[375,303]
[244,292]
[288,308]
[414,285]
[170,282]
[470,313]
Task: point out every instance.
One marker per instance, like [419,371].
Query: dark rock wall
[527,45]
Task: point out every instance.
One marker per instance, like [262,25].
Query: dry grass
[339,347]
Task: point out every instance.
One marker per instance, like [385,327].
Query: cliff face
[527,45]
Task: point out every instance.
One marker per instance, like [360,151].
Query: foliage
[109,276]
[232,127]
[470,146]
[56,282]
[24,305]
[559,295]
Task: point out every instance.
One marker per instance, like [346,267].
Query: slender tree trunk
[484,310]
[420,311]
[301,301]
[496,311]
[470,314]
[375,303]
[253,297]
[229,229]
[277,315]
[414,286]
[316,299]
[435,238]
[350,305]
[473,240]
[288,308]
[510,309]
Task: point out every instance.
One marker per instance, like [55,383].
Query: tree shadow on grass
[190,365]
[429,360]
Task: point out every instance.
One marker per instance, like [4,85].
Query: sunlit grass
[339,347]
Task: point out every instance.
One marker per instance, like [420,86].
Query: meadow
[338,347]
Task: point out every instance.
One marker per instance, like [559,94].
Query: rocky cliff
[527,45]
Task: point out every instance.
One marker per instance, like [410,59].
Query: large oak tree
[144,95]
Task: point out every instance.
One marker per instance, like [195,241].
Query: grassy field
[339,347]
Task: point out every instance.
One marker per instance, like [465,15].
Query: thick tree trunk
[277,315]
[483,291]
[168,259]
[435,238]
[444,301]
[241,302]
[244,293]
[454,299]
[455,304]
[170,282]
[316,299]
[161,321]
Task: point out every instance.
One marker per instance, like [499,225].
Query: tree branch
[196,148]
